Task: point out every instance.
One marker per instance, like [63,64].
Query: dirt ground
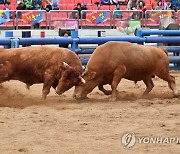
[62,125]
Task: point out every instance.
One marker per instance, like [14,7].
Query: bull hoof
[142,97]
[28,87]
[113,99]
[81,98]
[177,95]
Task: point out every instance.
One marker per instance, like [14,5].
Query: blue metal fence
[142,36]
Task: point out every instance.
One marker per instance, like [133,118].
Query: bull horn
[65,64]
[82,80]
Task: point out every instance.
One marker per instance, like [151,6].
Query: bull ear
[64,65]
[91,75]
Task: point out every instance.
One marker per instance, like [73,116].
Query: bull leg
[171,81]
[27,86]
[55,84]
[149,86]
[117,76]
[48,82]
[106,92]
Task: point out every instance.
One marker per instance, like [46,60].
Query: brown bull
[113,61]
[53,66]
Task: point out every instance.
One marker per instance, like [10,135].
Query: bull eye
[1,65]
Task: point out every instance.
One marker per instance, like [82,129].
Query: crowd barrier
[142,36]
[53,19]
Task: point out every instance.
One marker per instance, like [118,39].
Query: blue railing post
[138,33]
[15,43]
[8,34]
[74,36]
[26,34]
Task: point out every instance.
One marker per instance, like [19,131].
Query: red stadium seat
[13,1]
[78,1]
[1,6]
[90,7]
[123,7]
[89,2]
[94,1]
[65,1]
[70,2]
[112,7]
[148,7]
[63,7]
[147,2]
[13,6]
[70,7]
[105,7]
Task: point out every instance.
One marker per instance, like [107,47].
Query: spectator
[142,7]
[154,4]
[37,4]
[66,35]
[75,15]
[98,5]
[46,5]
[20,6]
[29,4]
[6,6]
[117,12]
[121,2]
[159,6]
[129,4]
[55,4]
[132,5]
[168,5]
[84,7]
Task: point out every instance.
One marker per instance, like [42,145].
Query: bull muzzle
[78,97]
[59,92]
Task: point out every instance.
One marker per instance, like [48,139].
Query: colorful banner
[32,17]
[155,16]
[96,17]
[4,16]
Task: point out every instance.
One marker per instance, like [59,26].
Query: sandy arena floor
[62,125]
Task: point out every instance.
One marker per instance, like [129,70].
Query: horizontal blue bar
[173,49]
[38,41]
[5,41]
[174,59]
[159,32]
[85,51]
[101,40]
[163,39]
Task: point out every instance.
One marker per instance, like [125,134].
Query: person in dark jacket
[84,7]
[74,15]
[21,6]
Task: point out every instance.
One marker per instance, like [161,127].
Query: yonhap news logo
[129,139]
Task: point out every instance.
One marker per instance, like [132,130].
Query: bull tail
[165,51]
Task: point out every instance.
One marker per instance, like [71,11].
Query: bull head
[69,78]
